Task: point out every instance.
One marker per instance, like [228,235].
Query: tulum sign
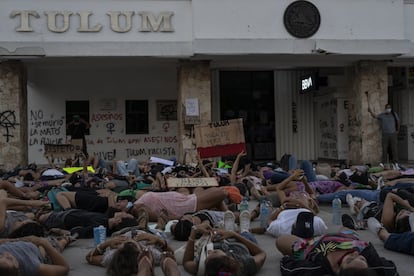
[119,21]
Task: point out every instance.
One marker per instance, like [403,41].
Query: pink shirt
[175,203]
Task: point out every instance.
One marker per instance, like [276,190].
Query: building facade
[301,74]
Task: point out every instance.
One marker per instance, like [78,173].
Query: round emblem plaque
[302,19]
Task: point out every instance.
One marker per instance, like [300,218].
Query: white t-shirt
[283,224]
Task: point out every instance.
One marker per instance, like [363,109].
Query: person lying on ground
[318,186]
[283,220]
[339,253]
[87,199]
[227,252]
[174,205]
[399,242]
[293,196]
[19,191]
[369,195]
[142,238]
[29,256]
[14,223]
[131,259]
[81,222]
[215,219]
[395,213]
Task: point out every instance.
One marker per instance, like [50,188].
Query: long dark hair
[124,261]
[402,225]
[214,265]
[352,271]
[32,228]
[9,271]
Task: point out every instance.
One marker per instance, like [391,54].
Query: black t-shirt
[77,130]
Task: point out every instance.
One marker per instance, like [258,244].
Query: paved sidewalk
[76,253]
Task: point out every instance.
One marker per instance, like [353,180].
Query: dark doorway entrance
[250,95]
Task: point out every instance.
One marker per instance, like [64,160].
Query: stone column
[368,87]
[194,81]
[13,115]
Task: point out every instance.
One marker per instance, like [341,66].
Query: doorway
[250,95]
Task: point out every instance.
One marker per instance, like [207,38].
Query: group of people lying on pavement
[43,210]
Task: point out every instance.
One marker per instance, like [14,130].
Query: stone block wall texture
[368,87]
[194,81]
[13,115]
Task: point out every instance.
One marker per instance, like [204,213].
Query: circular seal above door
[302,19]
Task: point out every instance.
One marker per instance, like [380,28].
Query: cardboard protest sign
[64,150]
[60,151]
[175,182]
[220,138]
[78,144]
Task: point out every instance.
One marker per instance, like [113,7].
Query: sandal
[162,220]
[142,219]
[165,256]
[146,256]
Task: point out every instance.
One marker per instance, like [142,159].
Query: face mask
[388,110]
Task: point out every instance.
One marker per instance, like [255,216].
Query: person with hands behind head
[136,250]
[340,253]
[297,211]
[77,129]
[291,196]
[27,257]
[224,252]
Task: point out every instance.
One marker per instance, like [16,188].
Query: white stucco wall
[347,27]
[208,27]
[350,19]
[104,42]
[50,86]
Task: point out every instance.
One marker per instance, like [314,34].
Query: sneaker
[402,168]
[380,182]
[304,225]
[373,178]
[411,220]
[77,232]
[244,221]
[351,203]
[374,225]
[348,222]
[229,220]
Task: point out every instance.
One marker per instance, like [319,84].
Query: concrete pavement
[75,254]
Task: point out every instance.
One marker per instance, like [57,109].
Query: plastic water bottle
[264,213]
[336,210]
[244,205]
[99,234]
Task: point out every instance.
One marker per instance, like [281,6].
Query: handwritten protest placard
[63,150]
[59,151]
[175,182]
[221,138]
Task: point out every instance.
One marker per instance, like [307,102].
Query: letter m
[150,23]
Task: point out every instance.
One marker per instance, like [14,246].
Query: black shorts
[91,201]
